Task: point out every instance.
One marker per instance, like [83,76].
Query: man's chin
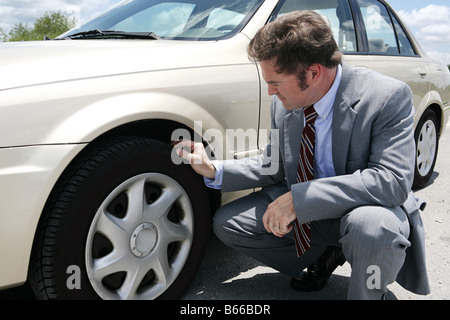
[288,106]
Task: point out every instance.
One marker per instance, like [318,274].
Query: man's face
[286,87]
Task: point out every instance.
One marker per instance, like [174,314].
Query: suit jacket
[373,153]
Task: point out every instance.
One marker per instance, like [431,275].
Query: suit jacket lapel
[344,117]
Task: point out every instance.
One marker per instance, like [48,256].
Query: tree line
[51,24]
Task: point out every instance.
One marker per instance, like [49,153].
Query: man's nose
[272,89]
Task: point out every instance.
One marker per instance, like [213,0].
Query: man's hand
[196,154]
[279,215]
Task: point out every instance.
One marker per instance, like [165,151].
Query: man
[358,196]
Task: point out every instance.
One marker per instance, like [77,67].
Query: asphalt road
[227,275]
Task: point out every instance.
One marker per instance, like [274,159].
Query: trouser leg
[374,241]
[239,225]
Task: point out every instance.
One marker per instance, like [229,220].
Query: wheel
[129,221]
[427,141]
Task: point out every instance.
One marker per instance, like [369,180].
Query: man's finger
[188,144]
[286,229]
[192,158]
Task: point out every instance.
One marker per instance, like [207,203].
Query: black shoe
[320,271]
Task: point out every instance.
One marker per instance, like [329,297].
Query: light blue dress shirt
[323,148]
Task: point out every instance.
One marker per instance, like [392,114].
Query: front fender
[102,116]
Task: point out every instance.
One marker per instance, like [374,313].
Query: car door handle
[423,71]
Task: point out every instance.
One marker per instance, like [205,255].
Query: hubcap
[140,238]
[143,239]
[426,148]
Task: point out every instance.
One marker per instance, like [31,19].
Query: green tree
[51,24]
[21,32]
[3,35]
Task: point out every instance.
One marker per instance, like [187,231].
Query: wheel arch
[154,115]
[431,101]
[99,117]
[160,129]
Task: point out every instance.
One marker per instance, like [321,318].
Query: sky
[429,20]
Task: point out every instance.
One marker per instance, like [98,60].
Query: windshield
[180,20]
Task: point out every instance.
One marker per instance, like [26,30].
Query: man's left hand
[279,215]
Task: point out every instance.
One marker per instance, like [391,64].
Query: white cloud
[436,33]
[432,22]
[431,26]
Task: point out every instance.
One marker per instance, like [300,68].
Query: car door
[394,53]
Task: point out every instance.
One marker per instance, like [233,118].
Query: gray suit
[373,157]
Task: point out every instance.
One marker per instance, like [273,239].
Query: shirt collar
[324,106]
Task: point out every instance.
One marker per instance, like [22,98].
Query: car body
[92,204]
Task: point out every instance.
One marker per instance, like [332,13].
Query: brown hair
[297,40]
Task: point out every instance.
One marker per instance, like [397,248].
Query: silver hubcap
[426,147]
[140,238]
[143,239]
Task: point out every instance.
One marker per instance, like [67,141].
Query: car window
[163,19]
[379,27]
[224,19]
[405,45]
[179,19]
[336,12]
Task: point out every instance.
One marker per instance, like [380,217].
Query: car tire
[427,142]
[124,222]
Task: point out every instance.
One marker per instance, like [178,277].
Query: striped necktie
[305,172]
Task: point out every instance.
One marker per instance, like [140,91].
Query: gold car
[92,204]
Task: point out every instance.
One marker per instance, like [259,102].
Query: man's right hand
[196,154]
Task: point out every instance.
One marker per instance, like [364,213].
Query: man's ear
[316,71]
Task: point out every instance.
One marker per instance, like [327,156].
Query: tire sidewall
[419,180]
[142,157]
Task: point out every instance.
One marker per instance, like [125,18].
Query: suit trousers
[373,239]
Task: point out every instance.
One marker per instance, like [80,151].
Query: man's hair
[296,40]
